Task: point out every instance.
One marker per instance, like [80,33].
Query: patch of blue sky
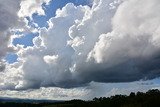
[156,81]
[17,32]
[50,10]
[11,58]
[26,40]
[31,23]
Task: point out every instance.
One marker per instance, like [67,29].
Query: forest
[149,99]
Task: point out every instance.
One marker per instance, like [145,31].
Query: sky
[78,49]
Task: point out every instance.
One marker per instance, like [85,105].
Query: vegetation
[149,99]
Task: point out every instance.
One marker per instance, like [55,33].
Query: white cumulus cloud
[28,7]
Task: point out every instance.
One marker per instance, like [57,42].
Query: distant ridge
[19,100]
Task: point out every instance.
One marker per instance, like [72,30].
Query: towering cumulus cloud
[112,41]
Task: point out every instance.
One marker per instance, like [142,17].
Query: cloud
[50,59]
[94,89]
[8,20]
[130,50]
[49,93]
[10,23]
[29,7]
[108,42]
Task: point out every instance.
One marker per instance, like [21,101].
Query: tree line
[149,99]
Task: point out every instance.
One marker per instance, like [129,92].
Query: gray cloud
[8,14]
[8,20]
